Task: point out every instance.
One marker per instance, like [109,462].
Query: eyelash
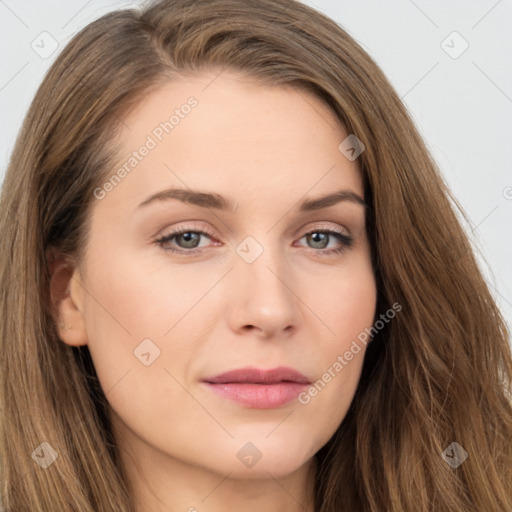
[346,241]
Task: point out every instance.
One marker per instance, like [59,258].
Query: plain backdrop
[450,61]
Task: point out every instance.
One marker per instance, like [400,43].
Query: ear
[67,296]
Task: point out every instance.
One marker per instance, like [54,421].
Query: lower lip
[259,396]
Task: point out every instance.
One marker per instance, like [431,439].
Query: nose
[262,299]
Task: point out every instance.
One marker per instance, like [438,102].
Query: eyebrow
[218,202]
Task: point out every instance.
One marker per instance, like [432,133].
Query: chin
[279,456]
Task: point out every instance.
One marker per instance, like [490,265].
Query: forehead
[227,132]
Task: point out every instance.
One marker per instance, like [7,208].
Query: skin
[266,149]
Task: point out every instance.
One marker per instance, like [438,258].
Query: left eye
[188,240]
[322,238]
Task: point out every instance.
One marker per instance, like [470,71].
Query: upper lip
[259,376]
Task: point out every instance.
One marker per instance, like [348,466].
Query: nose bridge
[262,263]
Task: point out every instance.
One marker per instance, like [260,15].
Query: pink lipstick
[259,389]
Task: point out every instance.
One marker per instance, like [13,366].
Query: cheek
[347,308]
[137,298]
[131,311]
[346,303]
[127,316]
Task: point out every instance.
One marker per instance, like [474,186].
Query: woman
[241,281]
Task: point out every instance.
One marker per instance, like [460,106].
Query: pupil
[189,237]
[316,240]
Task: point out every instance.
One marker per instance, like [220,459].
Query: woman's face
[257,284]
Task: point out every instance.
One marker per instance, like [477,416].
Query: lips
[259,389]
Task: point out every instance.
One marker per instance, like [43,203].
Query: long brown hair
[439,372]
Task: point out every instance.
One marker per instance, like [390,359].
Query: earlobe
[67,301]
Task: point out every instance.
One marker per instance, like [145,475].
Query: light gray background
[462,105]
